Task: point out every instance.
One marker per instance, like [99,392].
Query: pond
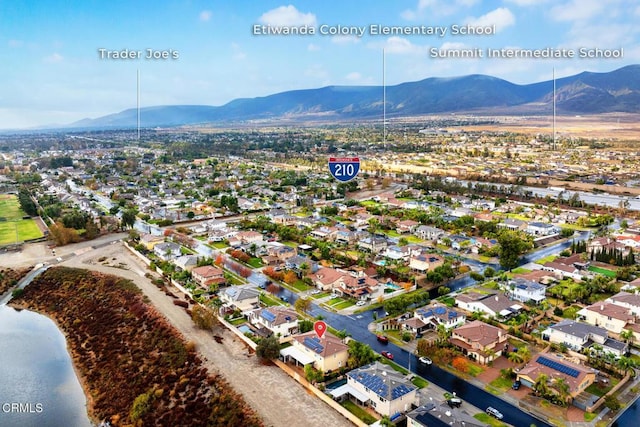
[38,385]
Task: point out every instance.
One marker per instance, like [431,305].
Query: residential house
[243,297]
[480,341]
[526,290]
[490,304]
[562,269]
[345,237]
[577,377]
[325,233]
[326,354]
[186,262]
[614,318]
[426,232]
[397,253]
[630,301]
[382,388]
[513,224]
[326,278]
[607,244]
[436,314]
[277,253]
[278,320]
[357,285]
[149,241]
[167,251]
[535,228]
[208,275]
[406,226]
[425,262]
[373,244]
[249,237]
[580,336]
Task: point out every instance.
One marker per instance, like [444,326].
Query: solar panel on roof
[269,316]
[314,344]
[572,372]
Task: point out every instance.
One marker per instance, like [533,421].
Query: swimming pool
[245,329]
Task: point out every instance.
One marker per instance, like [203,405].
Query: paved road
[275,396]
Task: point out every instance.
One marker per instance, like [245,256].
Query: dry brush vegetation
[136,368]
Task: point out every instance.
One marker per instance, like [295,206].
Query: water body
[38,386]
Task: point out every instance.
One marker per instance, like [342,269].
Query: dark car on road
[383,339]
[516,385]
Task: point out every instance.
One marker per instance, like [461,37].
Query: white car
[361,303]
[494,412]
[425,360]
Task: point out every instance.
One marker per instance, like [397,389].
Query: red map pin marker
[320,327]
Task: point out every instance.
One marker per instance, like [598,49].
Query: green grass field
[13,228]
[602,271]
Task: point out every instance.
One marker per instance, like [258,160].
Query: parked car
[284,298]
[361,303]
[425,360]
[383,339]
[516,385]
[454,402]
[387,354]
[494,412]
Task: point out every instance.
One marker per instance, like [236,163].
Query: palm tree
[515,357]
[627,336]
[541,386]
[625,364]
[525,353]
[563,389]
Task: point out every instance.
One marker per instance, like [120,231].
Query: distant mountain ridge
[584,93]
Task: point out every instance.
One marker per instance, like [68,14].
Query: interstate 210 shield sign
[344,169]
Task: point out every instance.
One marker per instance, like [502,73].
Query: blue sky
[52,71]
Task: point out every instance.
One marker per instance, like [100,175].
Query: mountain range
[584,93]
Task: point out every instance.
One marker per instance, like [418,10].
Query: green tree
[541,386]
[268,348]
[128,218]
[305,326]
[359,354]
[512,246]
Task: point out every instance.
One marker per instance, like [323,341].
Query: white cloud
[436,8]
[287,16]
[205,15]
[398,45]
[577,10]
[527,2]
[53,58]
[313,47]
[501,18]
[345,39]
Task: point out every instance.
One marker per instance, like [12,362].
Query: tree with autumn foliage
[460,364]
[290,277]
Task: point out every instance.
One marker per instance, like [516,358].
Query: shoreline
[89,401]
[124,352]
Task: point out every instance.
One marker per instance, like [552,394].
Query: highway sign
[344,169]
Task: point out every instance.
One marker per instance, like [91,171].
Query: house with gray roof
[526,290]
[382,388]
[242,297]
[581,336]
